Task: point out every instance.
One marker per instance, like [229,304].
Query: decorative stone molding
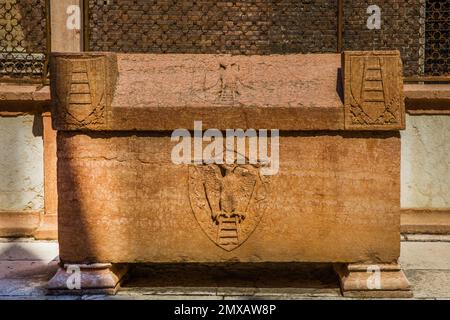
[98,278]
[427,99]
[148,92]
[425,221]
[82,88]
[373,281]
[373,89]
[19,224]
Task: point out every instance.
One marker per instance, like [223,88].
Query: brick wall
[209,26]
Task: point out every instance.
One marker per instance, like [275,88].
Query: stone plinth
[334,198]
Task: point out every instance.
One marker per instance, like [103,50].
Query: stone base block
[99,278]
[373,281]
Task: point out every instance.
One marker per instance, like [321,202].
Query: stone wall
[426,162]
[21,164]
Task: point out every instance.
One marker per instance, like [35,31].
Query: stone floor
[26,266]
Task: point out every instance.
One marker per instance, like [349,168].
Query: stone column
[49,225]
[66,36]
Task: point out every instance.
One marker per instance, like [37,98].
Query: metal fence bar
[340,24]
[92,40]
[437,38]
[85,33]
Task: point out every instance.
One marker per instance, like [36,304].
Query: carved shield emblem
[228,201]
[82,88]
[374,89]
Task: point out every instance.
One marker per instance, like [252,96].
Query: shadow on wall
[89,201]
[237,275]
[38,126]
[25,267]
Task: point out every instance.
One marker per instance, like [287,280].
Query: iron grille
[437,39]
[23,39]
[211,26]
[402,28]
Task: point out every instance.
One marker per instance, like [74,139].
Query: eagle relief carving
[224,86]
[228,201]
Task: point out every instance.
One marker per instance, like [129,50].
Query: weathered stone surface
[425,255]
[425,221]
[21,279]
[373,90]
[430,284]
[50,159]
[425,168]
[48,228]
[166,92]
[427,99]
[21,167]
[25,268]
[425,237]
[335,199]
[428,274]
[98,278]
[64,39]
[82,88]
[373,281]
[17,224]
[16,93]
[27,250]
[171,91]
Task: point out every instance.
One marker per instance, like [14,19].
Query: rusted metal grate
[211,26]
[24,32]
[437,38]
[402,28]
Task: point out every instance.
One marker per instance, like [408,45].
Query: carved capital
[373,90]
[82,89]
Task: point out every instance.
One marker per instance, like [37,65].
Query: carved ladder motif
[372,90]
[227,234]
[80,94]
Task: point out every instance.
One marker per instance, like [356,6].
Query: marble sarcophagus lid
[221,158]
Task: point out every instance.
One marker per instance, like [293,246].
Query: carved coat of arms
[223,87]
[228,201]
[81,89]
[374,91]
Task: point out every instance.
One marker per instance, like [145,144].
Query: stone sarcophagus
[217,158]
